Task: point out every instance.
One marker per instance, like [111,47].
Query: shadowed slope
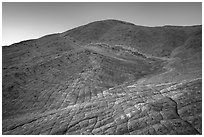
[157,41]
[107,77]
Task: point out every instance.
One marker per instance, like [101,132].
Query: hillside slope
[106,77]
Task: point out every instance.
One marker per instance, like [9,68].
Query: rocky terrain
[106,77]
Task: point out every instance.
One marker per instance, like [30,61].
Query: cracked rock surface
[104,78]
[147,109]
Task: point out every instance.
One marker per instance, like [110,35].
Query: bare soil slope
[106,77]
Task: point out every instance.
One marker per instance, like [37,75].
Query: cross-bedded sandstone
[147,109]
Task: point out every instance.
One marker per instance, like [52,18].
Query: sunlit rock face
[107,77]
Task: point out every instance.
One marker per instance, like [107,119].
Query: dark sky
[22,21]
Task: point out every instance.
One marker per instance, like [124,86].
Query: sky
[23,21]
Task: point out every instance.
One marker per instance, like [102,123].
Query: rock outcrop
[107,77]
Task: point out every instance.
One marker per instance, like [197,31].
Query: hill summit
[106,77]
